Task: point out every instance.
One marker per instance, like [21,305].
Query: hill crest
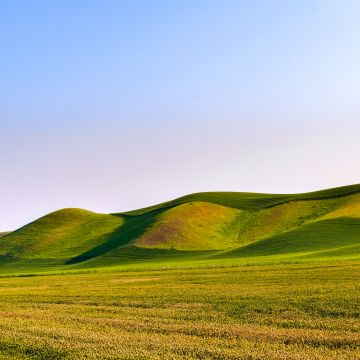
[197,226]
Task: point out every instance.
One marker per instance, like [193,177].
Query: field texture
[293,311]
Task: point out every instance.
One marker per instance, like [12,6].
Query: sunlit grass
[289,311]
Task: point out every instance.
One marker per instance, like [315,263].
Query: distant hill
[4,233]
[203,226]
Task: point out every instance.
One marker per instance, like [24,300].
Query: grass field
[293,311]
[206,276]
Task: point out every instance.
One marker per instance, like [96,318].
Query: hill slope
[62,234]
[212,226]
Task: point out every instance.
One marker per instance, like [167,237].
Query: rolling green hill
[60,235]
[213,228]
[240,200]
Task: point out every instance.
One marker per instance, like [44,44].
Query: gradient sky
[115,105]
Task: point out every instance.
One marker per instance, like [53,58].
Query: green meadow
[289,311]
[205,276]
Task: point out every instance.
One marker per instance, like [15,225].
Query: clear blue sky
[114,105]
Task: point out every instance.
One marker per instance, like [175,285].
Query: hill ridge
[252,198]
[213,225]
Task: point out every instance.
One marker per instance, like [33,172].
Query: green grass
[240,200]
[206,276]
[312,238]
[62,234]
[193,226]
[192,231]
[292,311]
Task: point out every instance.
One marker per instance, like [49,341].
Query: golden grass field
[293,311]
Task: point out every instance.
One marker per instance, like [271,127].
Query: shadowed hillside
[212,226]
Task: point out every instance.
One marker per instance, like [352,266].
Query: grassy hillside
[193,226]
[60,235]
[316,237]
[241,200]
[203,227]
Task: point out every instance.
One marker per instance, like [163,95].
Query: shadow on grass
[133,227]
[320,236]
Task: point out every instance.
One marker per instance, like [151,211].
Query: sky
[115,105]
